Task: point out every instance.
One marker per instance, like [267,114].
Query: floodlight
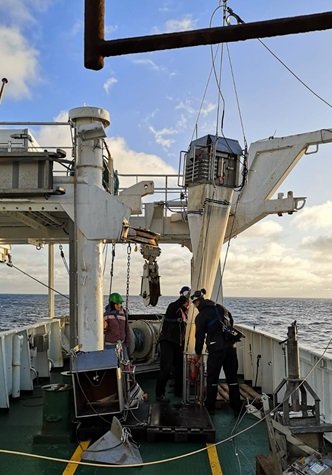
[91,131]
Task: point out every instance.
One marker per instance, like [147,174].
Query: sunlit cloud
[21,12]
[265,229]
[77,28]
[131,161]
[161,136]
[186,106]
[185,24]
[321,245]
[19,63]
[109,84]
[319,216]
[208,108]
[109,29]
[149,63]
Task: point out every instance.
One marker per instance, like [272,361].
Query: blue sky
[154,99]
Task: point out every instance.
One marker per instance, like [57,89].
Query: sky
[154,100]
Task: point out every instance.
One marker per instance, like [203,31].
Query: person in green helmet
[116,325]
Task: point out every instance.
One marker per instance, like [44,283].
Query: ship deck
[234,451]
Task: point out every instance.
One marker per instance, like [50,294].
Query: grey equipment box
[97,384]
[25,168]
[25,173]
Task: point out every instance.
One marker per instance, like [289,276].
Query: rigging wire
[62,254]
[237,97]
[239,20]
[10,264]
[293,74]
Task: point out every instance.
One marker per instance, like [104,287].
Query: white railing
[263,361]
[27,353]
[166,189]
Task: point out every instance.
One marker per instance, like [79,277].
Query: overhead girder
[96,48]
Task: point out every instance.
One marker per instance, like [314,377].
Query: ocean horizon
[274,315]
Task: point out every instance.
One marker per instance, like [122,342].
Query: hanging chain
[128,276]
[62,254]
[112,267]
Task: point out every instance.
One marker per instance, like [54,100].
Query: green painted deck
[23,422]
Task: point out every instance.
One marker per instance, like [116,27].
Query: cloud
[130,161]
[77,28]
[109,29]
[321,246]
[265,229]
[186,106]
[319,216]
[20,12]
[269,259]
[208,108]
[185,24]
[274,272]
[148,62]
[19,63]
[109,84]
[160,135]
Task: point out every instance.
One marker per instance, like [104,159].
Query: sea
[274,315]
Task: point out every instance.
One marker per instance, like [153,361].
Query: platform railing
[263,362]
[166,189]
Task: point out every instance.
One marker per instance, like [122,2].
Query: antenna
[4,82]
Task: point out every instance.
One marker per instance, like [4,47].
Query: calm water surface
[313,316]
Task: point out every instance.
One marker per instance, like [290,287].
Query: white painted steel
[16,365]
[273,364]
[89,169]
[20,360]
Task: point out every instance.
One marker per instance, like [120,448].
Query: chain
[112,267]
[128,276]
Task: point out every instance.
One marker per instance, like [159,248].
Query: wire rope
[10,264]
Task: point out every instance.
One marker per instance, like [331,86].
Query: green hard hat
[116,298]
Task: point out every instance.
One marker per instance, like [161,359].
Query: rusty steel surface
[97,48]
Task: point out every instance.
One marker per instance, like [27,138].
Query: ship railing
[21,137]
[29,352]
[167,190]
[263,361]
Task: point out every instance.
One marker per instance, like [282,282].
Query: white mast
[89,125]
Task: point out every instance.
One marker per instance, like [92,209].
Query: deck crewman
[212,325]
[171,340]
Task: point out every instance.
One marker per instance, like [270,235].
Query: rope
[178,457]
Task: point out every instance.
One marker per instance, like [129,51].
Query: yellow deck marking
[214,460]
[71,467]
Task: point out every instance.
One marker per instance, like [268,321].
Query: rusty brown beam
[94,26]
[97,48]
